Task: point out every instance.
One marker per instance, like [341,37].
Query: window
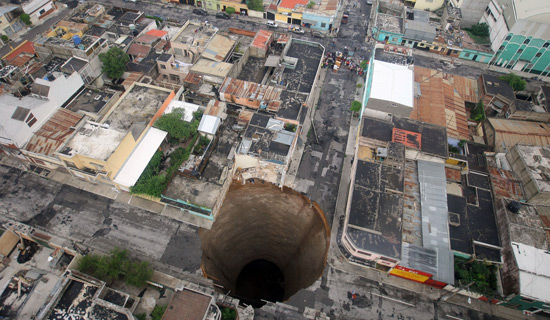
[41,12]
[501,47]
[508,37]
[520,51]
[466,54]
[526,41]
[323,25]
[488,10]
[30,120]
[162,66]
[538,55]
[546,45]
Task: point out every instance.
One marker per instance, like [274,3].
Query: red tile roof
[290,4]
[25,47]
[262,39]
[53,133]
[157,33]
[139,50]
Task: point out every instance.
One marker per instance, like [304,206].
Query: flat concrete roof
[131,114]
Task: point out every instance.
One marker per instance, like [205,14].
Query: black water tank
[514,206]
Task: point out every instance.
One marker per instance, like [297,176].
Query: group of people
[342,60]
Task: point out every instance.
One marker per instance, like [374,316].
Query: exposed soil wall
[259,221]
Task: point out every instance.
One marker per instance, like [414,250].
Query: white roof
[189,108]
[392,82]
[209,124]
[534,271]
[133,168]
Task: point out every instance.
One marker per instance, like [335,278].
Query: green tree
[310,4]
[230,10]
[137,273]
[479,29]
[364,64]
[256,5]
[158,311]
[516,82]
[4,38]
[478,114]
[228,314]
[355,107]
[26,19]
[178,129]
[114,62]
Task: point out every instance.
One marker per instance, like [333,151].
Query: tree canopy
[25,18]
[230,10]
[256,5]
[177,128]
[355,106]
[516,82]
[114,62]
[479,29]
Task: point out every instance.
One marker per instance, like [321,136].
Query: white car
[298,30]
[369,2]
[272,24]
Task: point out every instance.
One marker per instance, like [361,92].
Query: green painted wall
[535,53]
[525,304]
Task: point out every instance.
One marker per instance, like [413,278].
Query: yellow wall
[425,5]
[121,154]
[281,18]
[67,35]
[237,6]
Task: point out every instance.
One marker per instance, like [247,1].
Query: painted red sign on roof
[408,138]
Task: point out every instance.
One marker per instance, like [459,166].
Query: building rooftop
[291,4]
[389,23]
[495,86]
[90,101]
[392,82]
[523,105]
[393,54]
[188,305]
[262,39]
[433,204]
[534,271]
[537,161]
[267,138]
[53,133]
[131,114]
[26,49]
[433,139]
[508,133]
[442,100]
[240,89]
[374,220]
[309,55]
[195,34]
[472,222]
[218,48]
[213,68]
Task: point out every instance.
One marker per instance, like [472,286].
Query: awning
[7,242]
[131,170]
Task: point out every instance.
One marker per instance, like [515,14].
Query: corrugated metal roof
[508,133]
[53,133]
[435,231]
[249,90]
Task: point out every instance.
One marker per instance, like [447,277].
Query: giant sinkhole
[266,243]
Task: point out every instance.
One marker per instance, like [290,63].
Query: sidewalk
[109,191]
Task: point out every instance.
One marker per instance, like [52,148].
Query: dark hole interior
[260,280]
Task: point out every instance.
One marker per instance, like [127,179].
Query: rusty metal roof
[442,100]
[53,133]
[139,50]
[512,132]
[250,90]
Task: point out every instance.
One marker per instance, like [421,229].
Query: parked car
[298,30]
[345,17]
[369,2]
[200,12]
[222,15]
[317,34]
[272,24]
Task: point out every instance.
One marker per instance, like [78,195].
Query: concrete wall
[472,11]
[520,168]
[389,107]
